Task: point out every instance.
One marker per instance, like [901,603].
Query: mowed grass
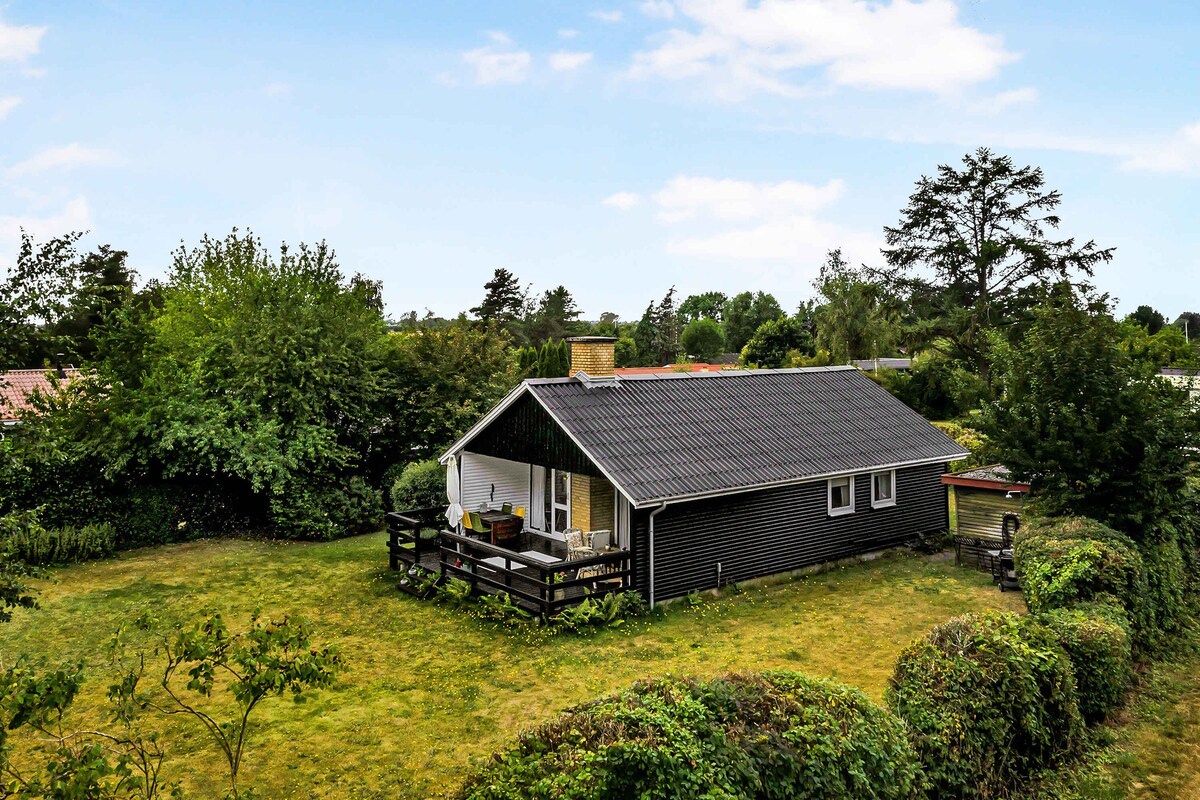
[427,690]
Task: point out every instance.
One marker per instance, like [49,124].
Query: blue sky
[618,148]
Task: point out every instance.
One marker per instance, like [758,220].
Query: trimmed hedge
[1100,653]
[740,737]
[422,484]
[1072,559]
[988,698]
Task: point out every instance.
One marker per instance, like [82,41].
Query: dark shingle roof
[672,436]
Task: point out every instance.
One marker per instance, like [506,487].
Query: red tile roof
[17,385]
[673,368]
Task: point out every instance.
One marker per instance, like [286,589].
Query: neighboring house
[17,386]
[983,497]
[708,478]
[876,364]
[1183,378]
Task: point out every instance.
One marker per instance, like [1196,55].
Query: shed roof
[18,385]
[992,476]
[687,435]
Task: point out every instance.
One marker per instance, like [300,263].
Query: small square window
[841,496]
[883,489]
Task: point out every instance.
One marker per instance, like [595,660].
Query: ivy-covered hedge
[1100,652]
[773,735]
[1066,560]
[988,698]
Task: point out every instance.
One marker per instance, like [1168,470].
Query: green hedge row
[740,737]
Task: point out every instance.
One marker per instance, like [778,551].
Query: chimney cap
[593,339]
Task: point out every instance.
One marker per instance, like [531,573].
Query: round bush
[1099,649]
[773,735]
[988,698]
[422,484]
[1062,561]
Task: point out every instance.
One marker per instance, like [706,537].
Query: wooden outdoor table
[504,527]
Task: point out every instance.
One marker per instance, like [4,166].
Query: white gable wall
[480,473]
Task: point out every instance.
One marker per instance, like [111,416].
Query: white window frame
[837,512]
[886,503]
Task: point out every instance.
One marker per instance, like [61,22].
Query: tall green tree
[702,338]
[666,328]
[774,343]
[856,318]
[36,295]
[744,313]
[708,305]
[556,316]
[1094,430]
[504,302]
[972,248]
[1148,318]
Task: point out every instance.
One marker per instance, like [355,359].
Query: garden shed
[983,498]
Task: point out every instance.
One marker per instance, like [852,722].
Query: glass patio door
[558,501]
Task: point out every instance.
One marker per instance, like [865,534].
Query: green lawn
[426,690]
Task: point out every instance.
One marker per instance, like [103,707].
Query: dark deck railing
[545,589]
[412,534]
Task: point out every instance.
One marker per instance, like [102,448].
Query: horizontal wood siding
[526,433]
[779,530]
[980,512]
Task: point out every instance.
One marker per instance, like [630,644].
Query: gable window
[883,489]
[841,496]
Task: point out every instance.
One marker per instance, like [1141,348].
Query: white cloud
[783,46]
[7,104]
[685,198]
[497,62]
[565,61]
[622,200]
[1003,101]
[276,88]
[774,228]
[567,33]
[1179,153]
[64,157]
[75,216]
[657,8]
[19,42]
[607,16]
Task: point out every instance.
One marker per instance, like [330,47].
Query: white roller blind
[496,480]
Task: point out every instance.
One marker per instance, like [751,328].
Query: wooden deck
[534,570]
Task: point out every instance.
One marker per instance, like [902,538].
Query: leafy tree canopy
[1148,318]
[775,343]
[702,339]
[744,313]
[697,306]
[856,318]
[1093,429]
[973,246]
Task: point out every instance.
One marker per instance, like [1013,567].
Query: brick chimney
[595,355]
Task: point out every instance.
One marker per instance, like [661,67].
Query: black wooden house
[705,479]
